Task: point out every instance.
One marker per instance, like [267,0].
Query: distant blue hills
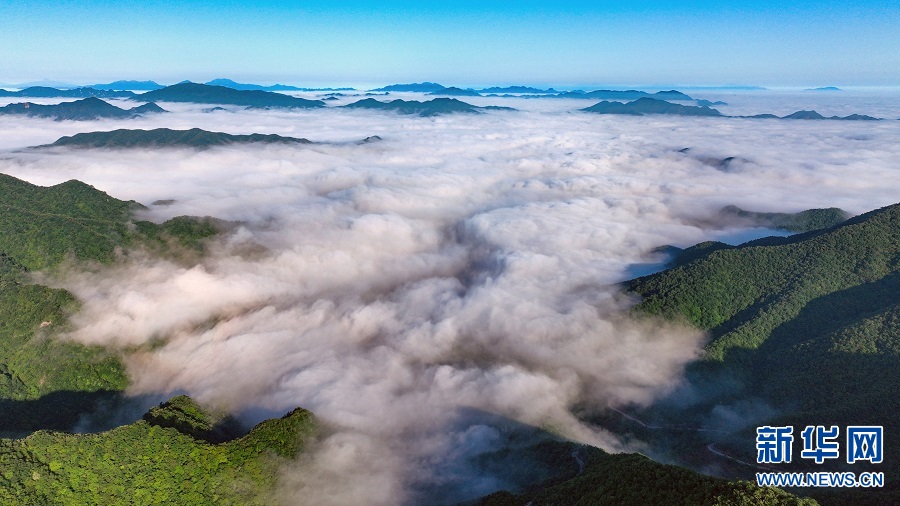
[129,85]
[48,92]
[425,87]
[228,83]
[647,105]
[455,92]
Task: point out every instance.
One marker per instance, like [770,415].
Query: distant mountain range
[824,88]
[517,90]
[165,137]
[129,85]
[210,94]
[85,109]
[648,105]
[439,89]
[455,92]
[815,115]
[47,92]
[432,107]
[624,95]
[228,83]
[425,87]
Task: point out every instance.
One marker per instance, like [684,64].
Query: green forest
[810,323]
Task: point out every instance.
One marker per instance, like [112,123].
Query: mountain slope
[810,324]
[804,221]
[589,476]
[207,94]
[46,382]
[162,459]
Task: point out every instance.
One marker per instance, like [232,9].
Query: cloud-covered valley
[462,262]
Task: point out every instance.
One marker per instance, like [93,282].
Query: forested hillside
[809,324]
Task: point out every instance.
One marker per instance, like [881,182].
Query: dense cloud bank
[462,263]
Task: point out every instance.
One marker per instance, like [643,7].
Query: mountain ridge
[85,109]
[207,94]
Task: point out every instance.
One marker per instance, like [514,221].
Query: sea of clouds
[463,264]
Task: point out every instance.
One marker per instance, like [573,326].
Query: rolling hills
[81,110]
[647,105]
[165,137]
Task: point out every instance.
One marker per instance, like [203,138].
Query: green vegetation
[42,227]
[804,221]
[85,109]
[809,323]
[207,94]
[633,479]
[433,107]
[743,295]
[152,461]
[179,453]
[165,137]
[46,382]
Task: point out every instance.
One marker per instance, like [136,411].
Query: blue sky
[464,43]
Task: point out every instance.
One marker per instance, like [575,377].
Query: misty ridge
[428,295]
